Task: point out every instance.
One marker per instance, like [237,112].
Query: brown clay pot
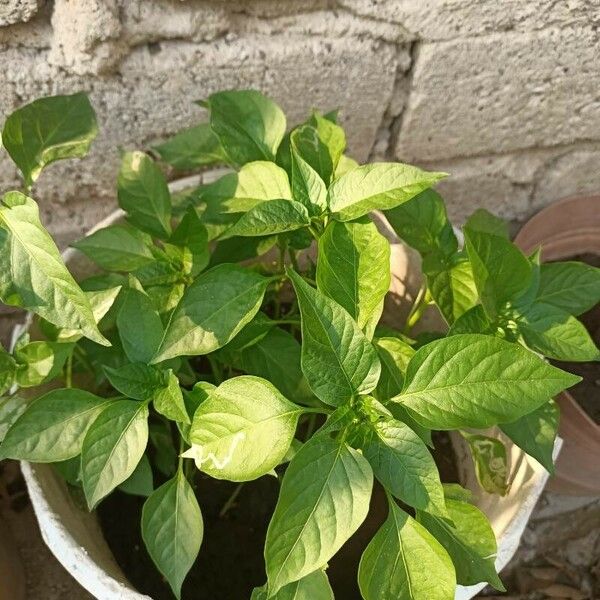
[565,229]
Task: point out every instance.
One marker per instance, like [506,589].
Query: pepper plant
[234,329]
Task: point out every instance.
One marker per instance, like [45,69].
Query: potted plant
[178,375]
[570,230]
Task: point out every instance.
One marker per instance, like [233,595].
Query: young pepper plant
[180,352]
[491,287]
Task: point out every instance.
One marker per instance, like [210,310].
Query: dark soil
[587,392]
[230,562]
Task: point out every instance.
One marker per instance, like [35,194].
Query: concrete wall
[502,94]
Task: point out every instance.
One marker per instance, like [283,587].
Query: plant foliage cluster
[188,349]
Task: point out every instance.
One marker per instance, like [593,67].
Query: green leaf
[405,562]
[402,463]
[353,268]
[501,271]
[212,311]
[168,399]
[139,324]
[11,408]
[470,542]
[475,380]
[249,125]
[193,399]
[53,426]
[101,302]
[146,383]
[337,359]
[536,432]
[70,470]
[165,454]
[191,239]
[172,529]
[250,335]
[572,286]
[255,182]
[324,498]
[451,285]
[473,321]
[239,192]
[491,462]
[332,136]
[49,129]
[307,186]
[314,586]
[40,361]
[140,482]
[556,334]
[233,250]
[276,357]
[308,145]
[242,430]
[394,355]
[423,223]
[8,370]
[117,248]
[485,222]
[378,186]
[112,448]
[144,195]
[135,380]
[270,217]
[33,274]
[192,148]
[346,164]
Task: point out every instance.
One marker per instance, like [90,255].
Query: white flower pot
[75,538]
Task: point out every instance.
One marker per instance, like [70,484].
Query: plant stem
[180,458]
[417,309]
[279,285]
[69,371]
[287,321]
[293,259]
[314,232]
[231,500]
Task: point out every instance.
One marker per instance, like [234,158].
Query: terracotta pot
[565,229]
[74,536]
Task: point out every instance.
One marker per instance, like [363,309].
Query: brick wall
[502,94]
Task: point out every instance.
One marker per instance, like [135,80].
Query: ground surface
[559,557]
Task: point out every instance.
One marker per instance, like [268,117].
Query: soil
[231,562]
[587,392]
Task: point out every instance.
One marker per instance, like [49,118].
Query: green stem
[293,259]
[69,371]
[314,232]
[231,500]
[287,321]
[281,264]
[417,309]
[181,448]
[279,285]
